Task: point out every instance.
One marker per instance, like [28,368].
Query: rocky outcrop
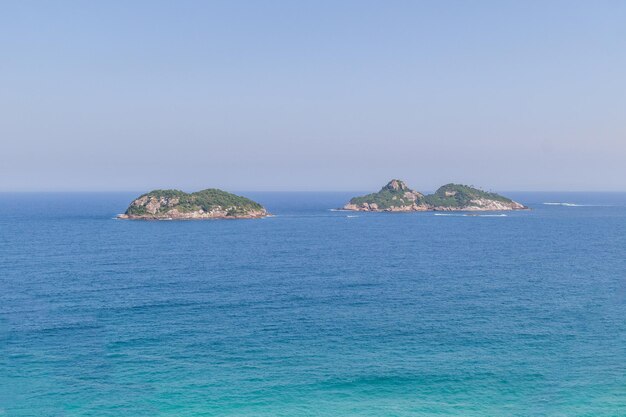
[397,197]
[178,205]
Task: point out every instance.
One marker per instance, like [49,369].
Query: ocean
[313,312]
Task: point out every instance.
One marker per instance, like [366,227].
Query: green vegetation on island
[458,195]
[176,204]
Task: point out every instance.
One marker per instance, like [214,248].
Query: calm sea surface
[312,312]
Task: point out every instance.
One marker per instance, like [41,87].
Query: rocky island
[178,205]
[396,196]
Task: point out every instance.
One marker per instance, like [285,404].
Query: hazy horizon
[324,96]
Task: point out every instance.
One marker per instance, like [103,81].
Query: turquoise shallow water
[312,312]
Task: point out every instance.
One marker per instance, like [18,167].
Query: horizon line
[79,191]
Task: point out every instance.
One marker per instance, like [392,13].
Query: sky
[312,95]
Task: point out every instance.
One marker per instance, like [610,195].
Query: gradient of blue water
[312,312]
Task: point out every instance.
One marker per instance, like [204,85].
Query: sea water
[313,312]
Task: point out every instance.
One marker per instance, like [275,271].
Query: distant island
[178,205]
[396,196]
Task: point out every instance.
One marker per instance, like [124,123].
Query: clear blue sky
[312,95]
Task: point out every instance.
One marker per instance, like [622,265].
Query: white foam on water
[564,204]
[577,205]
[470,215]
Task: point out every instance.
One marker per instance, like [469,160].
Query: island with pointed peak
[396,196]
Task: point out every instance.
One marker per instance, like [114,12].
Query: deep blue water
[312,312]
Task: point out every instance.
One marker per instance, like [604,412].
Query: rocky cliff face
[207,204]
[396,185]
[397,197]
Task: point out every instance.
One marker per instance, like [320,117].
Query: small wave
[470,215]
[577,205]
[338,210]
[350,217]
[564,204]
